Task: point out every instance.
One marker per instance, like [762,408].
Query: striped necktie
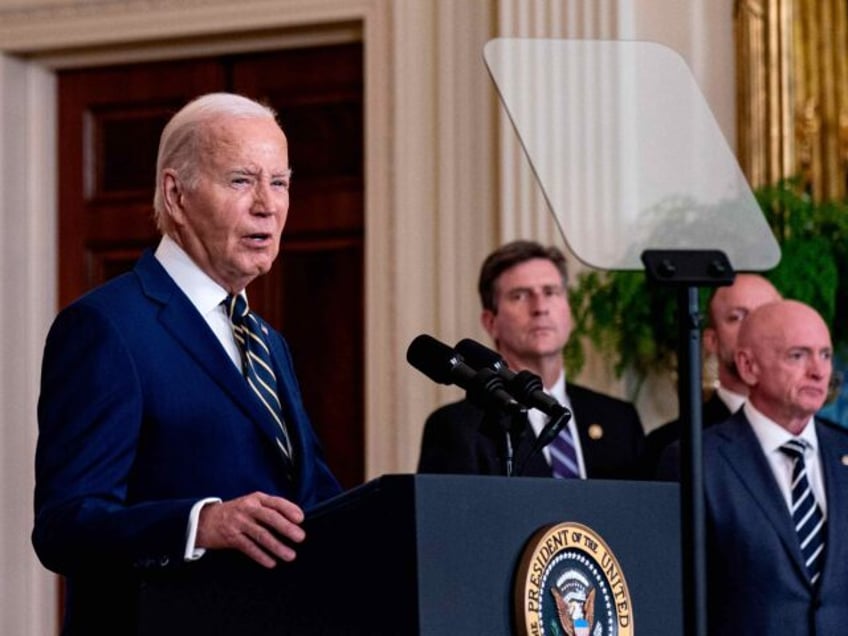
[564,456]
[256,365]
[807,516]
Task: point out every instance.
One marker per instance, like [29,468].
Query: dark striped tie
[564,456]
[806,514]
[256,365]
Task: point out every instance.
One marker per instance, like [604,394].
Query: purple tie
[564,456]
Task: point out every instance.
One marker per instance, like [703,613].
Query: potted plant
[633,323]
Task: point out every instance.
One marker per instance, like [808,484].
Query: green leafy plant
[633,324]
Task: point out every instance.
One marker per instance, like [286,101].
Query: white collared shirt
[732,400]
[771,437]
[204,293]
[539,419]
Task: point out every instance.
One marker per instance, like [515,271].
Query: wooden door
[110,119]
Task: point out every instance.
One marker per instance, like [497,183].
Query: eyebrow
[248,172]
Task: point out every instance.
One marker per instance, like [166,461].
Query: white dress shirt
[732,400]
[539,419]
[204,293]
[771,437]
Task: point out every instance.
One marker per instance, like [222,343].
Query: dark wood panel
[323,319]
[96,164]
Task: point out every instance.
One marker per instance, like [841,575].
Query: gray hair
[181,141]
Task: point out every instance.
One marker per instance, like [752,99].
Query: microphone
[550,431]
[526,387]
[442,364]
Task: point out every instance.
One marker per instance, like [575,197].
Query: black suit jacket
[756,578]
[459,439]
[714,411]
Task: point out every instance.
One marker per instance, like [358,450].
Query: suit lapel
[744,456]
[580,406]
[179,317]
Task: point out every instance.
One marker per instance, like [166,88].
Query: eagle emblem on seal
[575,602]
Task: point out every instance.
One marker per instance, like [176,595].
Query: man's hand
[253,524]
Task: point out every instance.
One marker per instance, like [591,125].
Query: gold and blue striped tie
[256,365]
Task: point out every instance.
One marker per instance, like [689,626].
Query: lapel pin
[845,460]
[596,431]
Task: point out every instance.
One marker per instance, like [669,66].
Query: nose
[264,201]
[538,303]
[820,368]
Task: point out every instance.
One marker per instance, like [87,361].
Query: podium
[429,555]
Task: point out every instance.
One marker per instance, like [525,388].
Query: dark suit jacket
[141,414]
[757,582]
[459,439]
[714,411]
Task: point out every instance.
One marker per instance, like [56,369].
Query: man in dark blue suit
[776,486]
[526,313]
[157,439]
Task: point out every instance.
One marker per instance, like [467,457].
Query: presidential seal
[569,583]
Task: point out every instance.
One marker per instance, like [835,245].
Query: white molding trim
[41,27]
[28,275]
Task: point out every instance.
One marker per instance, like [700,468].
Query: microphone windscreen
[434,359]
[478,356]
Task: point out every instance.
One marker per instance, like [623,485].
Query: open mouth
[259,237]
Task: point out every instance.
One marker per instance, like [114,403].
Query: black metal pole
[685,270]
[691,464]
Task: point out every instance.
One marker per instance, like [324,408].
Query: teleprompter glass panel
[628,154]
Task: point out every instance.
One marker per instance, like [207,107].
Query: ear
[173,192]
[487,319]
[747,366]
[710,339]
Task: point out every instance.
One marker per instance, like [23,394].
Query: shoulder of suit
[579,391]
[730,428]
[666,432]
[109,298]
[830,425]
[458,409]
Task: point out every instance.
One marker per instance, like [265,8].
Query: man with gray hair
[170,420]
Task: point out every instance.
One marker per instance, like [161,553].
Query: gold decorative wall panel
[793,93]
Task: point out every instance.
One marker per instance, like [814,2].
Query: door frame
[430,199]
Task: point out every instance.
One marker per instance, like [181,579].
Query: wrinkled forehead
[224,135]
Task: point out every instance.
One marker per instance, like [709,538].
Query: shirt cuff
[192,553]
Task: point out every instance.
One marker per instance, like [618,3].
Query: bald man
[776,486]
[727,308]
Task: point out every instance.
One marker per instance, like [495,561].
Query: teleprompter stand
[687,271]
